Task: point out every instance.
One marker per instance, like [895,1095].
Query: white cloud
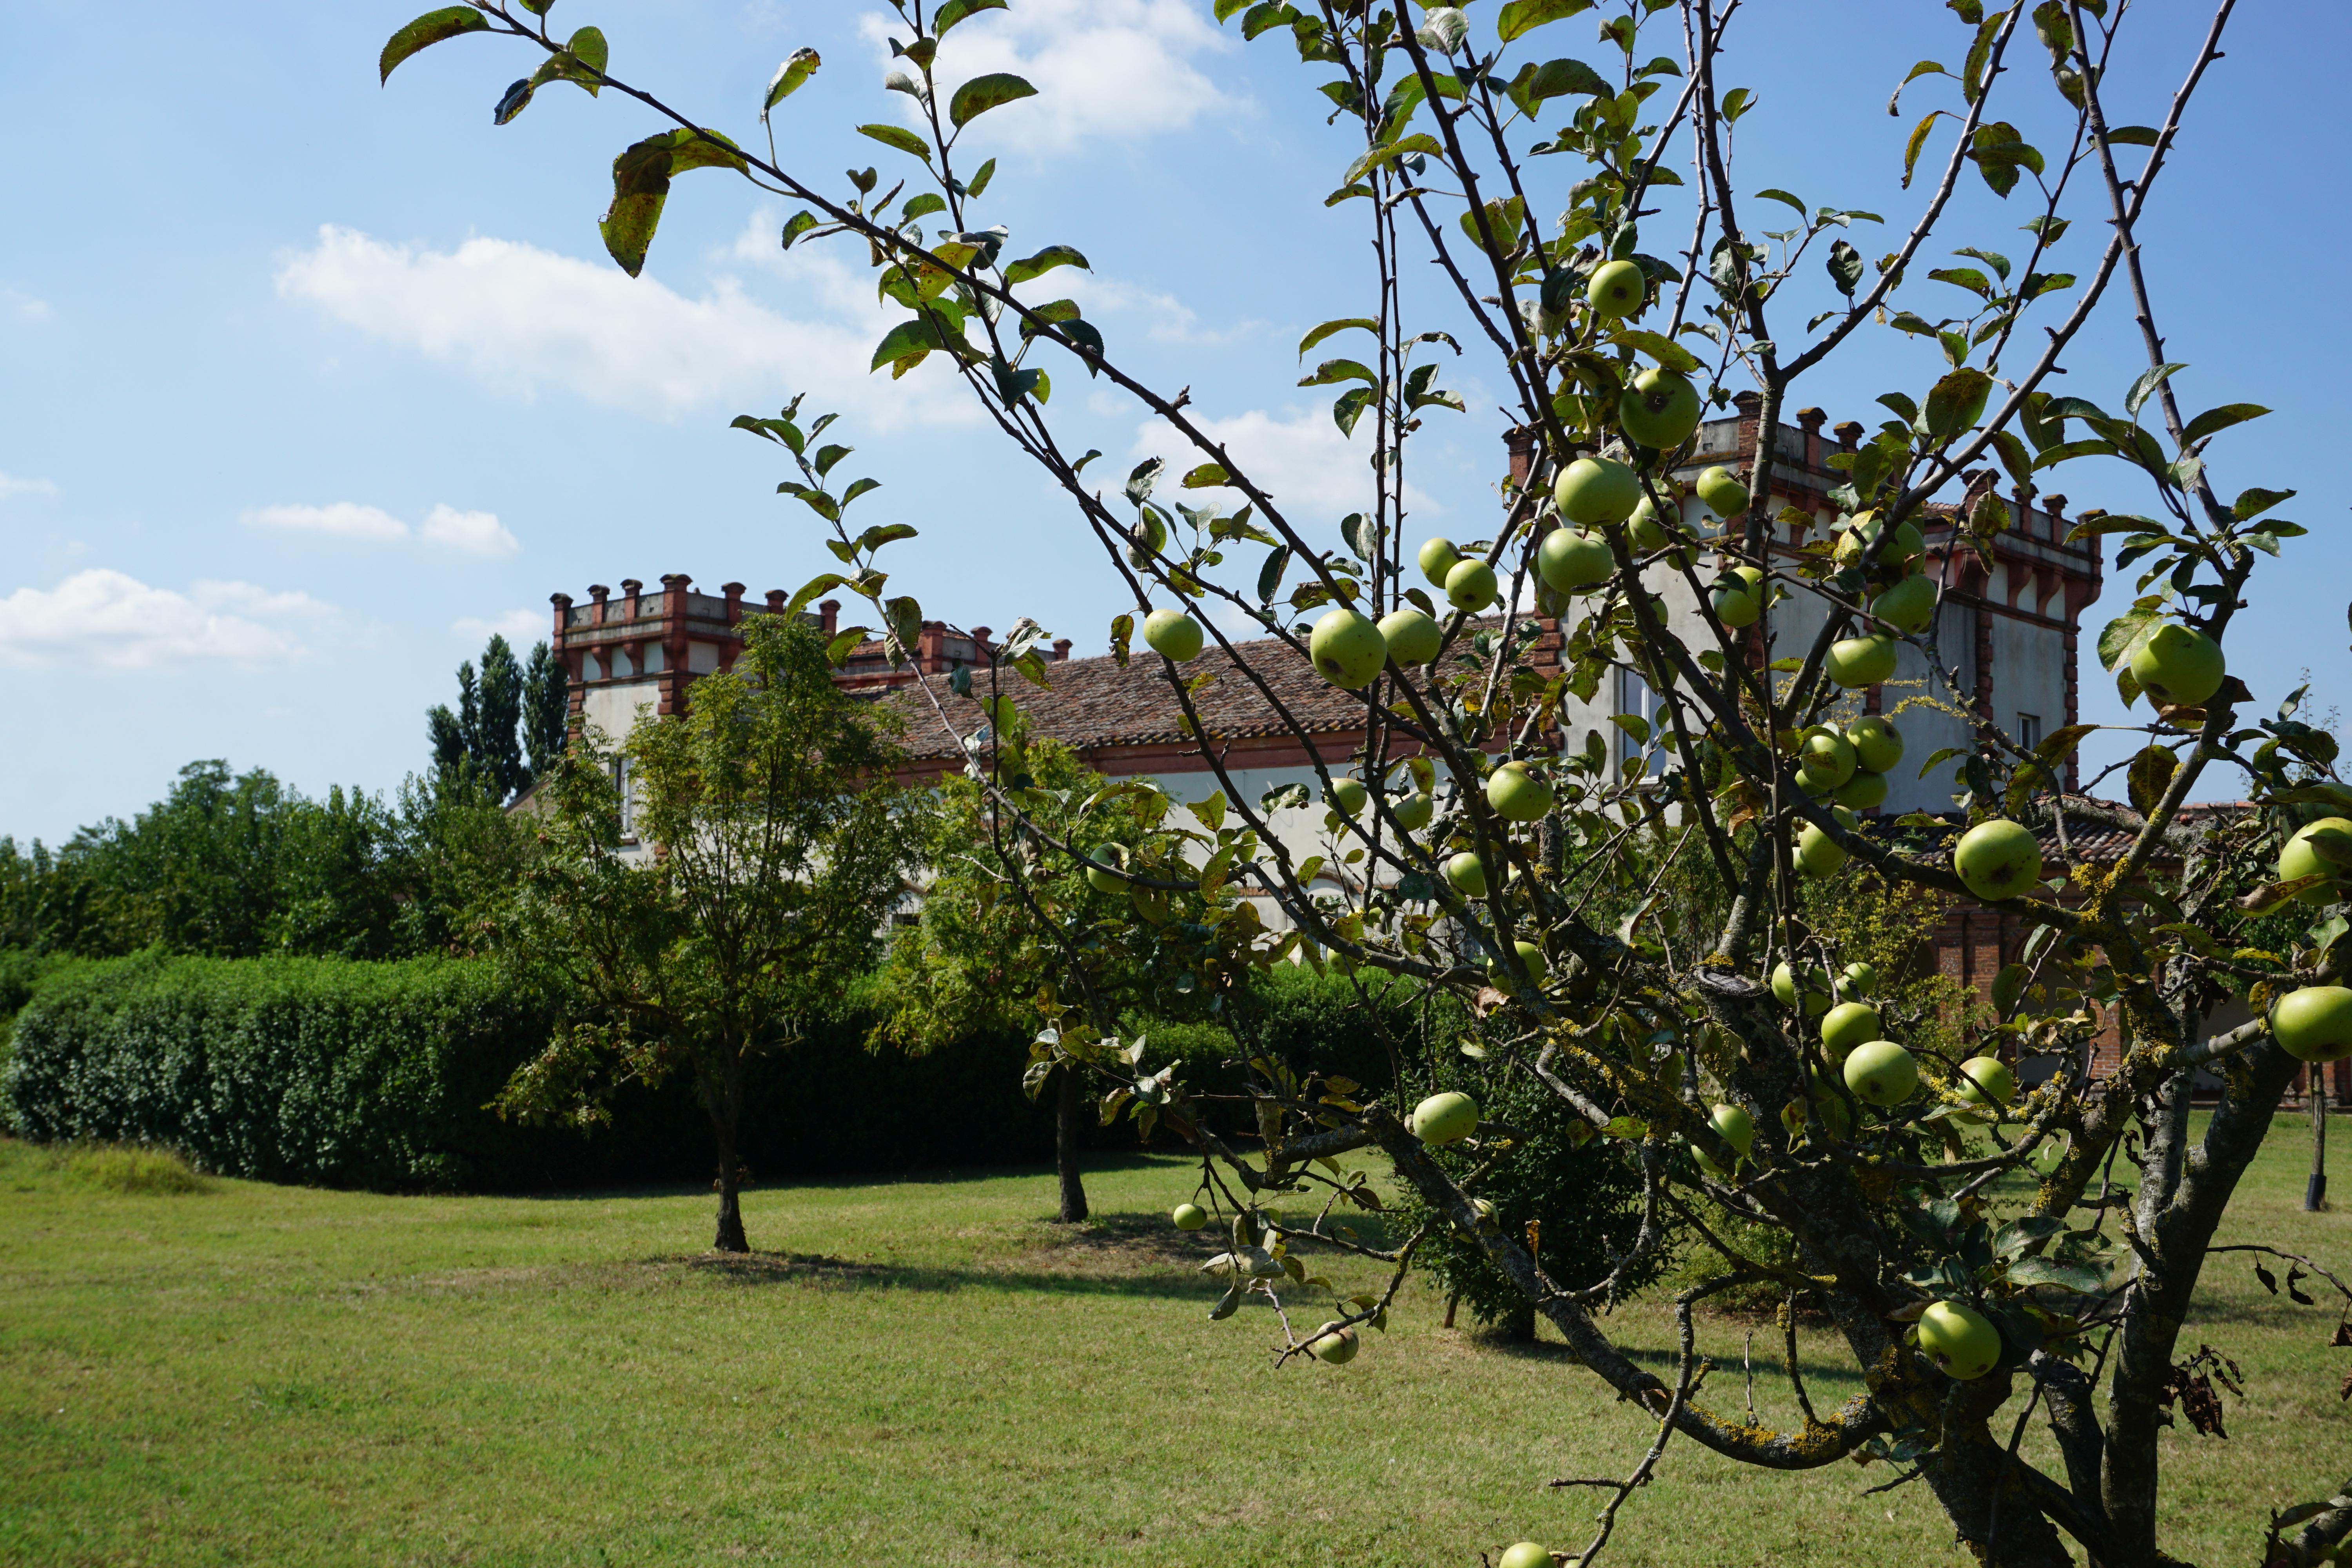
[521,627]
[1102,67]
[10,484]
[1165,318]
[471,532]
[24,307]
[1314,475]
[108,618]
[523,319]
[342,519]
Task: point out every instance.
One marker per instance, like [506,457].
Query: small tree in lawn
[1525,214]
[779,845]
[1010,922]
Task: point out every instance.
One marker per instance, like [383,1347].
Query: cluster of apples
[1334,1343]
[1849,768]
[2313,1023]
[1876,1070]
[1903,600]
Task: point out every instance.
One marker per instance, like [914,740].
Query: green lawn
[921,1372]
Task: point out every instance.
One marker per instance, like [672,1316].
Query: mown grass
[917,1371]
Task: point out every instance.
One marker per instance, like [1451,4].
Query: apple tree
[1994,1247]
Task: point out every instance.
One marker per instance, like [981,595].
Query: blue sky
[309,384]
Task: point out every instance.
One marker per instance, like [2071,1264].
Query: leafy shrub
[285,1069]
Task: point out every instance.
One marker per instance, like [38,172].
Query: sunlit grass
[920,1371]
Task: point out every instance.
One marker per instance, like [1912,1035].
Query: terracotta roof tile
[1094,702]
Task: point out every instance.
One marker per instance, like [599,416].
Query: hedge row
[375,1074]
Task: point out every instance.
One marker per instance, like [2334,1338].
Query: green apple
[1346,647]
[2315,1023]
[1877,745]
[1189,1217]
[1526,1553]
[1413,811]
[1959,1340]
[1848,1025]
[1617,289]
[2179,666]
[1856,662]
[1105,867]
[1722,493]
[1998,859]
[1858,979]
[1736,601]
[1881,1073]
[1734,1126]
[1437,558]
[1909,606]
[1660,409]
[1349,796]
[1333,1344]
[1864,791]
[1446,1118]
[1816,983]
[1468,874]
[1825,759]
[1531,959]
[1517,796]
[1172,634]
[1818,854]
[2303,856]
[1986,1081]
[1572,561]
[1470,585]
[1411,637]
[1908,545]
[1596,490]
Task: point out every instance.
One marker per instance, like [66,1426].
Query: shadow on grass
[1096,1165]
[820,1271]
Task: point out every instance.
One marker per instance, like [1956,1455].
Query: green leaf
[955,11]
[922,205]
[2143,387]
[1670,355]
[797,67]
[799,224]
[1389,152]
[2067,450]
[1328,328]
[514,102]
[1523,16]
[2253,503]
[424,32]
[2218,419]
[1207,477]
[2117,638]
[1911,149]
[641,177]
[2150,773]
[1956,403]
[1535,84]
[982,93]
[1332,371]
[979,182]
[906,344]
[1780,196]
[899,136]
[2131,136]
[825,582]
[1044,261]
[1736,102]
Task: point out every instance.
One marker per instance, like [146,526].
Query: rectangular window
[1635,699]
[625,787]
[2029,729]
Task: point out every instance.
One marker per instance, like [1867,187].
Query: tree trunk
[726,1123]
[1069,1134]
[1518,1324]
[2314,1192]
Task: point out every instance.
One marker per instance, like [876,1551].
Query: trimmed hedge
[346,1073]
[298,1069]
